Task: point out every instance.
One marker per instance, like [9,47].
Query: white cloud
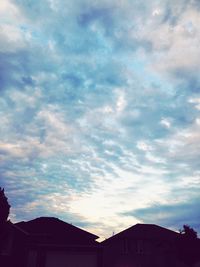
[195,101]
[178,40]
[12,149]
[11,38]
[182,146]
[60,136]
[157,12]
[142,145]
[27,98]
[45,205]
[155,159]
[9,11]
[121,102]
[166,123]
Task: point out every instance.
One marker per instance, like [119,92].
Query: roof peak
[43,222]
[144,230]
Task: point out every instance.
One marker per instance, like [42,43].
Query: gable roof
[56,230]
[144,231]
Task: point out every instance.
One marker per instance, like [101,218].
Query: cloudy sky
[100,111]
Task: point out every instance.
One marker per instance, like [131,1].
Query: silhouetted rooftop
[56,229]
[144,231]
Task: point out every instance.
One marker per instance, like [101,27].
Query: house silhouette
[50,242]
[149,245]
[54,231]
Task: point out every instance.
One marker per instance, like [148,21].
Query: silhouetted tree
[4,212]
[4,207]
[188,246]
[188,231]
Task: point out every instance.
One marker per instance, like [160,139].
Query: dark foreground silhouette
[50,242]
[148,245]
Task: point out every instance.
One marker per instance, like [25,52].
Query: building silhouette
[149,245]
[50,242]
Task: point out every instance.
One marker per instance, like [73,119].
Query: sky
[100,112]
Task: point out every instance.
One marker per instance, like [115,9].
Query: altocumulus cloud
[99,104]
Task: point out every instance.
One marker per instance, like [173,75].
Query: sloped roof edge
[23,225]
[136,227]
